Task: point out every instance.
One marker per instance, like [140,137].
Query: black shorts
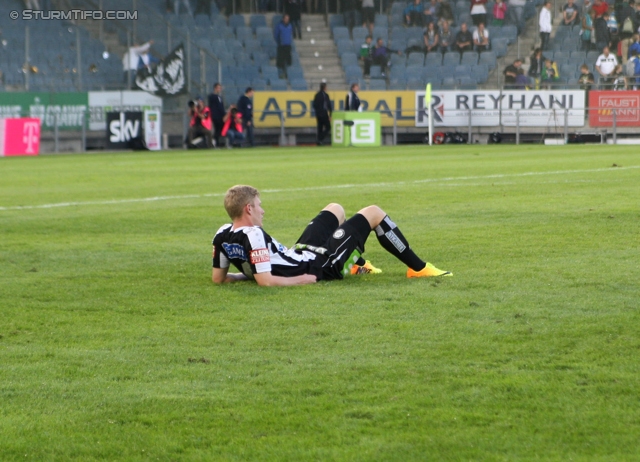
[344,243]
[368,14]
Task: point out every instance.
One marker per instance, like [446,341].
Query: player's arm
[222,276]
[268,279]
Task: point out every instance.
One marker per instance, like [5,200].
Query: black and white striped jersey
[252,250]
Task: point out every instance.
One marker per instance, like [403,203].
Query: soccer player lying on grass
[329,247]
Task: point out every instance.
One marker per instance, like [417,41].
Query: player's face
[257,212]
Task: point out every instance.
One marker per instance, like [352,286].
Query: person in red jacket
[232,127]
[200,124]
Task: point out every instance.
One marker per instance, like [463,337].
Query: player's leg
[322,226]
[394,242]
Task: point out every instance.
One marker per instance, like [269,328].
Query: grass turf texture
[114,344]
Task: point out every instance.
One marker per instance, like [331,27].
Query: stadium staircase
[318,53]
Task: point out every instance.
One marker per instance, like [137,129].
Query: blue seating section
[244,45]
[413,70]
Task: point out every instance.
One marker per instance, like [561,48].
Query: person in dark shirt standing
[352,102]
[322,108]
[216,106]
[245,107]
[292,8]
[284,37]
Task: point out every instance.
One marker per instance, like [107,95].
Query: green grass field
[114,343]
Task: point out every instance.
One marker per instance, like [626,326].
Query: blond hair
[237,197]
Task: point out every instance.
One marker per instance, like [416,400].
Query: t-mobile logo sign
[31,136]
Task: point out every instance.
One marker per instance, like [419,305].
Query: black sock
[392,240]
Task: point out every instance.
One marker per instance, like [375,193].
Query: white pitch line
[317,188]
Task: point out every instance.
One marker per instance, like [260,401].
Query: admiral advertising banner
[491,108]
[19,137]
[626,104]
[297,107]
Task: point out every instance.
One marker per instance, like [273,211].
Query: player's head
[323,86]
[355,87]
[237,198]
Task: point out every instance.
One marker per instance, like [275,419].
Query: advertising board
[297,107]
[625,103]
[493,108]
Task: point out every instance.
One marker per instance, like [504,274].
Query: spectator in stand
[586,79]
[366,54]
[349,13]
[431,38]
[619,79]
[636,22]
[544,23]
[414,14]
[431,12]
[478,12]
[132,60]
[535,66]
[634,47]
[292,8]
[481,38]
[203,7]
[516,13]
[200,123]
[382,54]
[232,128]
[614,30]
[599,7]
[446,37]
[352,102]
[499,12]
[444,13]
[587,33]
[187,5]
[550,75]
[626,16]
[570,14]
[284,37]
[522,82]
[603,37]
[464,40]
[216,106]
[634,62]
[605,65]
[322,108]
[368,14]
[511,73]
[245,107]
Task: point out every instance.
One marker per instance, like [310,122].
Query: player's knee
[337,210]
[373,214]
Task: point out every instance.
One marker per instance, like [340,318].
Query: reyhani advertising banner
[489,108]
[297,107]
[625,103]
[19,137]
[68,108]
[101,102]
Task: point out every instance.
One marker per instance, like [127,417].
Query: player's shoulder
[223,228]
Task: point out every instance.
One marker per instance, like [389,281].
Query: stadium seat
[278,85]
[375,72]
[377,84]
[469,57]
[451,58]
[415,58]
[340,32]
[257,20]
[433,59]
[299,85]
